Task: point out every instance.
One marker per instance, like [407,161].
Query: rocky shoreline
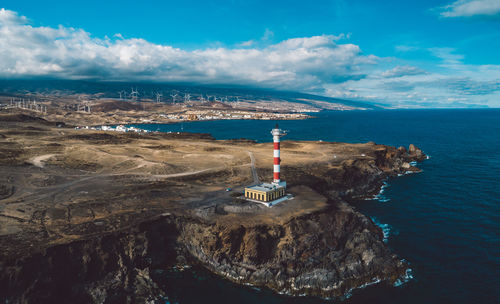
[326,252]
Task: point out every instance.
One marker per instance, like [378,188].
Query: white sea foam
[348,294]
[380,196]
[413,172]
[387,229]
[408,276]
[375,281]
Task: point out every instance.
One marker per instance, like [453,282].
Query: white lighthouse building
[270,193]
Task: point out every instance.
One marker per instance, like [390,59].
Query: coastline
[228,242]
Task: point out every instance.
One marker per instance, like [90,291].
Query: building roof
[265,187]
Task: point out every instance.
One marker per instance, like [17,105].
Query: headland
[87,215]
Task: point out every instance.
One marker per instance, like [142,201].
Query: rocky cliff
[325,252]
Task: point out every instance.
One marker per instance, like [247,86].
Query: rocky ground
[86,215]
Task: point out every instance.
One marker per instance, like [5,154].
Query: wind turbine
[158,97]
[187,97]
[122,94]
[134,94]
[174,96]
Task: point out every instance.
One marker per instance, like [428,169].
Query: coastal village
[225,115]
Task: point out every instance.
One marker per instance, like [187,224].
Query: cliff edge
[87,216]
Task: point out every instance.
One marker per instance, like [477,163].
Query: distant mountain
[148,91]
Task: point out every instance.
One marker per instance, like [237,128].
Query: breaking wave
[387,229]
[408,276]
[380,196]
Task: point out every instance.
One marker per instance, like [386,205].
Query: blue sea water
[445,221]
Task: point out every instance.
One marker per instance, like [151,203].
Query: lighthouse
[277,133]
[272,193]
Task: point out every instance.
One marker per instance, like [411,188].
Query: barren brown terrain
[59,186]
[63,184]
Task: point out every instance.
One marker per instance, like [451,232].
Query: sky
[409,54]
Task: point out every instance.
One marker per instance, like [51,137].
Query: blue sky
[403,53]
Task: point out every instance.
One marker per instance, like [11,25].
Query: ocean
[445,221]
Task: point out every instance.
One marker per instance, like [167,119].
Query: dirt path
[180,174]
[38,160]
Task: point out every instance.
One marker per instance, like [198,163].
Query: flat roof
[265,187]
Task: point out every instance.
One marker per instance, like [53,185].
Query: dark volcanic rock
[112,268]
[325,254]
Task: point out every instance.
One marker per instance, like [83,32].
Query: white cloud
[299,63]
[400,71]
[469,85]
[247,43]
[10,17]
[268,35]
[317,64]
[265,39]
[468,8]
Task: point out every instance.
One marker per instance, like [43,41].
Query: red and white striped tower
[277,133]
